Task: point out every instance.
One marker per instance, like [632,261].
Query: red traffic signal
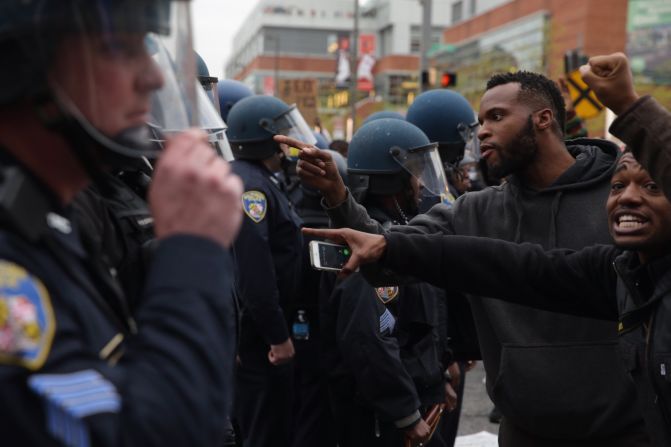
[448,79]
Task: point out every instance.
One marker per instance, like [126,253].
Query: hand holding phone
[361,248]
[327,256]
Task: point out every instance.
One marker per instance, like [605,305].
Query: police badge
[255,204]
[386,294]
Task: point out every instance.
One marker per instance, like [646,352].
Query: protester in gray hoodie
[557,379]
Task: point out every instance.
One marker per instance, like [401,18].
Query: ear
[544,119]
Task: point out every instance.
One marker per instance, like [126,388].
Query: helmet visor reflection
[424,164]
[292,124]
[469,133]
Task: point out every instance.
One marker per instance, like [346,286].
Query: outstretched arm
[580,283]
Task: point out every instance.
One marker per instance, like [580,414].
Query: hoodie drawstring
[520,215]
[552,237]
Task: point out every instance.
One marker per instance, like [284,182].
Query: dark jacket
[268,261]
[600,281]
[117,226]
[78,370]
[526,352]
[646,129]
[383,347]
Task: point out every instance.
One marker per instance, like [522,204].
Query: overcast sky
[215,22]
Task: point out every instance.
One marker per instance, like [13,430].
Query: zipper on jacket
[651,370]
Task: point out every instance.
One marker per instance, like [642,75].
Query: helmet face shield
[108,58]
[424,164]
[176,120]
[209,84]
[220,144]
[469,133]
[292,124]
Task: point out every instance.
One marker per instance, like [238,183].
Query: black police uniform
[117,226]
[384,350]
[74,369]
[313,419]
[267,254]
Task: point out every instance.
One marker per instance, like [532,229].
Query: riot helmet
[231,91]
[255,120]
[447,119]
[208,110]
[340,162]
[383,114]
[384,155]
[88,69]
[209,83]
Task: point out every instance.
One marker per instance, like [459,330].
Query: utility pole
[425,45]
[276,64]
[354,50]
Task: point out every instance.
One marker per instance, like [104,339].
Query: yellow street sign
[584,100]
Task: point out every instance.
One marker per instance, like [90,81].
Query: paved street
[475,413]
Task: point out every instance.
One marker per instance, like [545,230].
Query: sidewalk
[475,412]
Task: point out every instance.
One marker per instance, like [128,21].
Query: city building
[471,40]
[529,35]
[302,39]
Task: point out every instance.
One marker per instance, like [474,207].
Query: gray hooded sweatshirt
[555,376]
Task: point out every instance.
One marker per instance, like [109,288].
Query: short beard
[519,154]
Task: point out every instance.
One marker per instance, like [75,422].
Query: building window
[457,11]
[474,7]
[416,38]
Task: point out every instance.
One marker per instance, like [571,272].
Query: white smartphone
[327,256]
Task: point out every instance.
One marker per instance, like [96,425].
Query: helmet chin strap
[94,156]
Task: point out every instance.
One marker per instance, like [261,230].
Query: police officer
[268,258]
[313,420]
[77,368]
[113,215]
[383,345]
[447,118]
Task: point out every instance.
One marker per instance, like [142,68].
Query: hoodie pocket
[565,391]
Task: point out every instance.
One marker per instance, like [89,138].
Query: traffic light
[448,79]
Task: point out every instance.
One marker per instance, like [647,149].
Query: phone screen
[333,256]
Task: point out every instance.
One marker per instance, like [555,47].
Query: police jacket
[312,216]
[383,347]
[268,261]
[75,368]
[117,226]
[600,281]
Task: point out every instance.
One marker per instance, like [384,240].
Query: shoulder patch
[386,294]
[255,205]
[27,323]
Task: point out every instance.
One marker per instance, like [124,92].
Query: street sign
[584,100]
